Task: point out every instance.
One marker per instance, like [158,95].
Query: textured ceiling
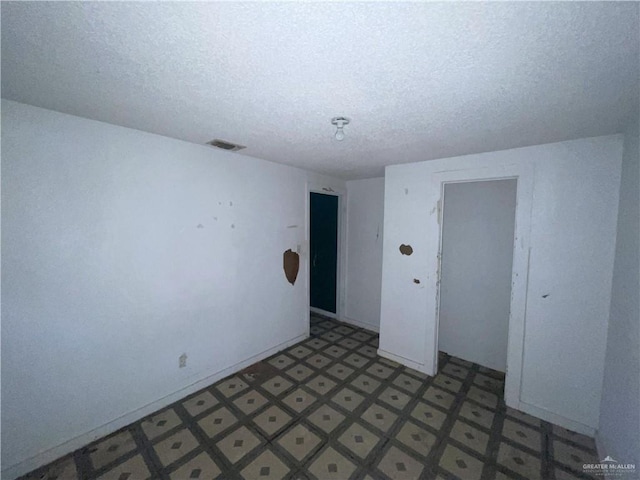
[420,81]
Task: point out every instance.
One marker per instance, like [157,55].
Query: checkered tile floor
[330,408]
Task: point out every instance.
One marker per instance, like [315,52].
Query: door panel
[324,251]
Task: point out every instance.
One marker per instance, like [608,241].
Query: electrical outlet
[182,360]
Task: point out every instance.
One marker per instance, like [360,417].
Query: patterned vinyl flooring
[329,408]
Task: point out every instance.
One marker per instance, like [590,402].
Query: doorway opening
[476,264]
[323,249]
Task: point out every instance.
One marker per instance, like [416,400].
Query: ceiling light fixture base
[340,122]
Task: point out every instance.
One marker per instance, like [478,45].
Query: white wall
[619,428]
[573,217]
[477,255]
[121,251]
[365,208]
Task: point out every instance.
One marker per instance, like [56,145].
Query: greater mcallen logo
[609,466]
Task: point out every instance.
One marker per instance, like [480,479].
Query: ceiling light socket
[340,122]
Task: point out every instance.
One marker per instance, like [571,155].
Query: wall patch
[291,264]
[406,249]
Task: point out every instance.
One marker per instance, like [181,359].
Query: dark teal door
[324,251]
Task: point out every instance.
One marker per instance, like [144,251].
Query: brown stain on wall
[406,249]
[291,265]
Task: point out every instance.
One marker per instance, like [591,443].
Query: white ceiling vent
[231,147]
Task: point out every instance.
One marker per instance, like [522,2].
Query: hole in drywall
[415,280]
[291,265]
[406,249]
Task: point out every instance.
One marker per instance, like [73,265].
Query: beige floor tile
[320,384]
[368,351]
[334,351]
[362,336]
[344,330]
[175,447]
[299,351]
[356,360]
[349,343]
[160,423]
[438,396]
[331,336]
[523,435]
[454,370]
[276,385]
[326,418]
[489,383]
[407,383]
[379,370]
[429,415]
[359,440]
[299,442]
[133,469]
[282,361]
[572,456]
[379,417]
[112,448]
[448,383]
[232,386]
[331,465]
[520,462]
[477,414]
[394,397]
[583,440]
[316,343]
[340,371]
[237,444]
[347,399]
[64,469]
[201,467]
[250,401]
[299,372]
[416,438]
[512,412]
[299,400]
[461,464]
[200,403]
[398,465]
[272,420]
[366,383]
[470,436]
[482,396]
[318,360]
[217,421]
[266,467]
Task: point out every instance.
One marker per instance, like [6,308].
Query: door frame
[341,193]
[523,174]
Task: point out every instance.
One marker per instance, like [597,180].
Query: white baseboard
[48,456]
[358,323]
[402,361]
[323,312]
[556,419]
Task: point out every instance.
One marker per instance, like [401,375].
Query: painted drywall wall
[573,219]
[365,210]
[477,252]
[619,427]
[123,250]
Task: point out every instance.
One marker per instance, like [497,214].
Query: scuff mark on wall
[200,226]
[406,249]
[378,233]
[406,191]
[545,295]
[291,265]
[233,225]
[415,280]
[328,189]
[292,226]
